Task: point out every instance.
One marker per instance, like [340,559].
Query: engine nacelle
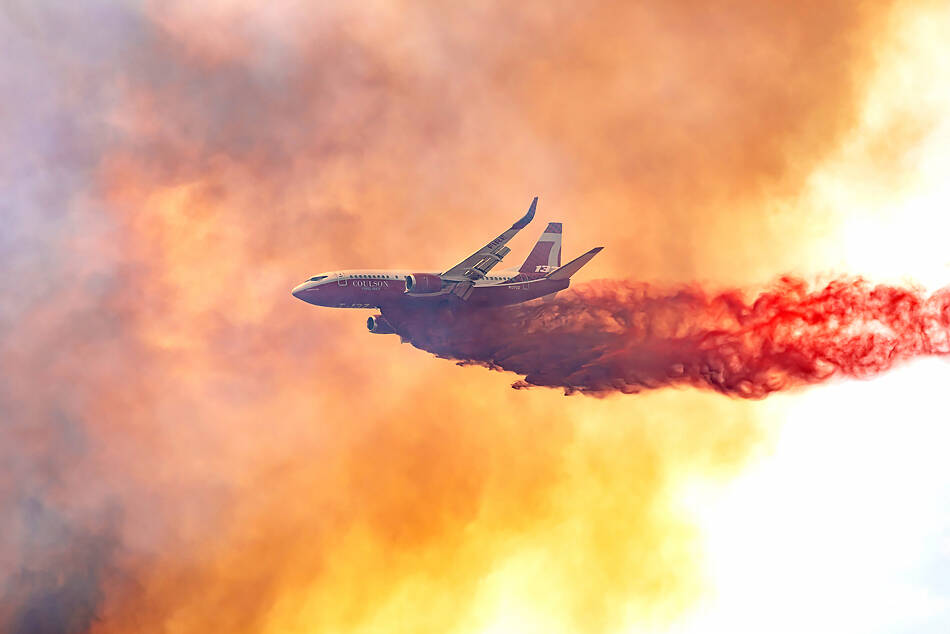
[378,325]
[423,283]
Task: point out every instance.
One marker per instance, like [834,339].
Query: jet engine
[423,283]
[378,325]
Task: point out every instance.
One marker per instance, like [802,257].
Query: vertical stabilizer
[546,254]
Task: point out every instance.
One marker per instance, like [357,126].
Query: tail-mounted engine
[378,325]
[423,283]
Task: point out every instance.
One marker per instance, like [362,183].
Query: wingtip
[528,217]
[532,209]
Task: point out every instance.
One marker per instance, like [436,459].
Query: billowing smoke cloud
[58,587]
[187,448]
[608,337]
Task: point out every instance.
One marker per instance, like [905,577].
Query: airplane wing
[477,265]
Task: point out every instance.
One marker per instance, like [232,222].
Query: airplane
[468,284]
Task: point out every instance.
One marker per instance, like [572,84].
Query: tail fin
[572,267]
[546,254]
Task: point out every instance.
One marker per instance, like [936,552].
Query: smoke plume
[607,337]
[187,448]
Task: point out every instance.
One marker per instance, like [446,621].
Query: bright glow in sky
[844,526]
[887,189]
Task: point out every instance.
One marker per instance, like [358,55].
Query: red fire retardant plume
[608,337]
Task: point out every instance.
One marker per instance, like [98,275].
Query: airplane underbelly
[507,294]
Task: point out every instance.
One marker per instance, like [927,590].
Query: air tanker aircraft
[468,284]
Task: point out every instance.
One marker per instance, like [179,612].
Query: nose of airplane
[309,292]
[306,291]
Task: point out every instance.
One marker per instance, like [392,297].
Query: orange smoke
[194,450]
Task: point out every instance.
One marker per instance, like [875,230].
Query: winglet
[521,224]
[572,267]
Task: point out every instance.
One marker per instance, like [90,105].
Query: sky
[188,448]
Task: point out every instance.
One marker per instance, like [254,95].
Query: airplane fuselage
[468,284]
[382,289]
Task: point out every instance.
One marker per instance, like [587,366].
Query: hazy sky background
[187,448]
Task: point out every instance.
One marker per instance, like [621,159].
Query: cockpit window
[317,278]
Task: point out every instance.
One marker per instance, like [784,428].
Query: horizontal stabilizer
[572,267]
